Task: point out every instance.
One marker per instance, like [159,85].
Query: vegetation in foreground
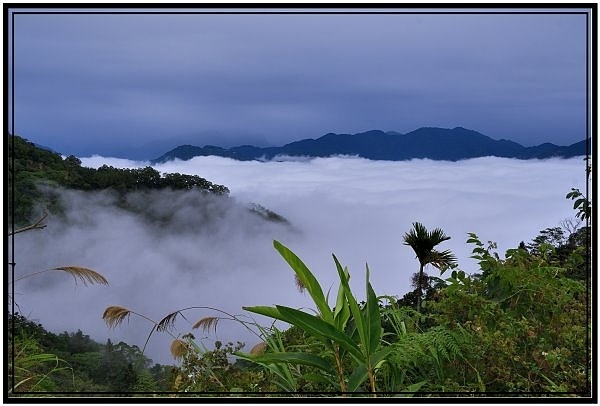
[518,327]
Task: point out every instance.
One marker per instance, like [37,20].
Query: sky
[215,253]
[137,85]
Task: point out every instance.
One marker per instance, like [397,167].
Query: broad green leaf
[320,378]
[292,358]
[353,305]
[265,311]
[361,373]
[415,386]
[309,323]
[375,358]
[287,383]
[307,278]
[358,377]
[342,312]
[373,318]
[316,326]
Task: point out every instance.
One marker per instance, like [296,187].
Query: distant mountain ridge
[427,142]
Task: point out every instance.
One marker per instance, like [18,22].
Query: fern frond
[442,341]
[114,315]
[206,323]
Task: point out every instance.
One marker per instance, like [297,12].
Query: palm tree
[423,243]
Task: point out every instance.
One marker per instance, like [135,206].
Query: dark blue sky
[138,85]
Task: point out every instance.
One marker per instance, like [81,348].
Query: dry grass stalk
[84,274]
[167,322]
[206,323]
[77,272]
[179,348]
[114,315]
[259,348]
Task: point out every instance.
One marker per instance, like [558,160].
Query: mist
[190,249]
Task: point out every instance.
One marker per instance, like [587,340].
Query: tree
[423,243]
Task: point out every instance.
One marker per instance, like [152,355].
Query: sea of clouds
[355,208]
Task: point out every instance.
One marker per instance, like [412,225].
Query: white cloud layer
[355,208]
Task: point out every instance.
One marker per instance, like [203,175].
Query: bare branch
[37,225]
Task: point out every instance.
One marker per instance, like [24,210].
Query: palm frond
[114,315]
[84,274]
[206,323]
[438,236]
[442,260]
[422,242]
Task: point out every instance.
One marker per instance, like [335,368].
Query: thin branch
[37,225]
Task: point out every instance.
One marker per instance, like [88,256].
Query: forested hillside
[34,166]
[73,362]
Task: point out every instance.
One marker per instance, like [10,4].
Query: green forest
[35,167]
[520,326]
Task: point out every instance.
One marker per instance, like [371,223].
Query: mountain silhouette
[427,142]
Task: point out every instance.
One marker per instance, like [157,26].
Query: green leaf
[357,315]
[307,278]
[415,386]
[375,358]
[265,311]
[287,382]
[358,377]
[320,378]
[292,358]
[373,318]
[341,314]
[316,326]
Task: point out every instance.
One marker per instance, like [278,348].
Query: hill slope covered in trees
[38,171]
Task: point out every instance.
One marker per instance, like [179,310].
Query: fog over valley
[192,249]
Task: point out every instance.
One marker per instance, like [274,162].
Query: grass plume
[114,315]
[206,323]
[259,348]
[85,275]
[179,348]
[167,322]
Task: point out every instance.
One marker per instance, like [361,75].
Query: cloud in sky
[355,208]
[137,85]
